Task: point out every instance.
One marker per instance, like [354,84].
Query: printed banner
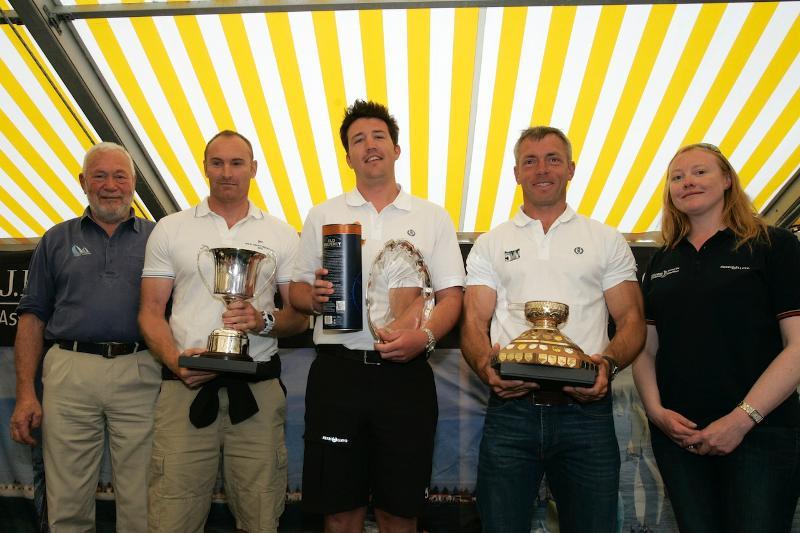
[13,275]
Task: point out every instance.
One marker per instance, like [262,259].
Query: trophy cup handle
[274,258]
[203,249]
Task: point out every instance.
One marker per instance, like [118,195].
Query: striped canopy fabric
[629,84]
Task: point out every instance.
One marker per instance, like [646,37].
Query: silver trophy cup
[236,274]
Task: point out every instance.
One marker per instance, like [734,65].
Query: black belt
[549,398]
[109,350]
[367,357]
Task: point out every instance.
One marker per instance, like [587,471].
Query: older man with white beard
[83,297]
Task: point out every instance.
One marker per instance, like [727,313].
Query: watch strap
[751,411]
[431,340]
[269,323]
[613,367]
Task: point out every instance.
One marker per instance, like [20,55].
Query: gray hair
[106,146]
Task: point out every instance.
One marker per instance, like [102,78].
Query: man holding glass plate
[371,404]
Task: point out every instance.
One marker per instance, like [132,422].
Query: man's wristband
[751,412]
[269,323]
[613,367]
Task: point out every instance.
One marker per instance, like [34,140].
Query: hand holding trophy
[399,292]
[544,354]
[236,272]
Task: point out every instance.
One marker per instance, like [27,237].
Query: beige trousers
[186,461]
[84,395]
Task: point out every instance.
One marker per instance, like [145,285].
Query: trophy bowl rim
[559,309]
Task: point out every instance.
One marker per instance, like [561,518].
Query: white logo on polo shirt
[78,251]
[334,439]
[734,267]
[665,273]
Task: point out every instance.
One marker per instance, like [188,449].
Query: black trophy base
[218,362]
[549,377]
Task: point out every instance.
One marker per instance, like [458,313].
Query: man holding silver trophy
[371,406]
[194,418]
[560,263]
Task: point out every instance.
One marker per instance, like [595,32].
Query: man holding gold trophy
[550,265]
[371,405]
[200,411]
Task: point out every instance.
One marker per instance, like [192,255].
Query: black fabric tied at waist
[242,404]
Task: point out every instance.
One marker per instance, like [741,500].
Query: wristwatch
[613,367]
[751,412]
[431,340]
[269,323]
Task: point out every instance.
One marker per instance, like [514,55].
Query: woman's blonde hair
[738,212]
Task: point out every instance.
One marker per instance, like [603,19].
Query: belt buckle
[367,361]
[109,347]
[540,402]
[112,345]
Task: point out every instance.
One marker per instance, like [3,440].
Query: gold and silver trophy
[543,354]
[399,292]
[236,274]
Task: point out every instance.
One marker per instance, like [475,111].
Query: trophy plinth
[235,274]
[544,354]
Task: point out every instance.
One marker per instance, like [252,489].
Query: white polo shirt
[426,225]
[172,252]
[573,263]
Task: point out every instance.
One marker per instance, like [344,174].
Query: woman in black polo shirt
[719,372]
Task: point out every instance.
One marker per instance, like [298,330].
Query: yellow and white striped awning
[629,84]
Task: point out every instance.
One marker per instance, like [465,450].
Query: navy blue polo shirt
[83,284]
[717,311]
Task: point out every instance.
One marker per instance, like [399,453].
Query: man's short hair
[229,133]
[106,146]
[368,109]
[537,133]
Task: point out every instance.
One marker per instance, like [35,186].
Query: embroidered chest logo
[258,245]
[734,267]
[411,233]
[78,251]
[578,250]
[665,273]
[512,255]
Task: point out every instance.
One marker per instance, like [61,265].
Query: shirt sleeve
[447,265]
[479,265]
[621,264]
[649,313]
[289,256]
[783,265]
[309,251]
[157,257]
[39,294]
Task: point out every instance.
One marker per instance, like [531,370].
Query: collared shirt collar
[136,224]
[401,201]
[522,220]
[723,236]
[202,209]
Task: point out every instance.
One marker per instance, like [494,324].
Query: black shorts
[369,436]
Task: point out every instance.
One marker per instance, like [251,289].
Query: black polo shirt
[716,311]
[83,284]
